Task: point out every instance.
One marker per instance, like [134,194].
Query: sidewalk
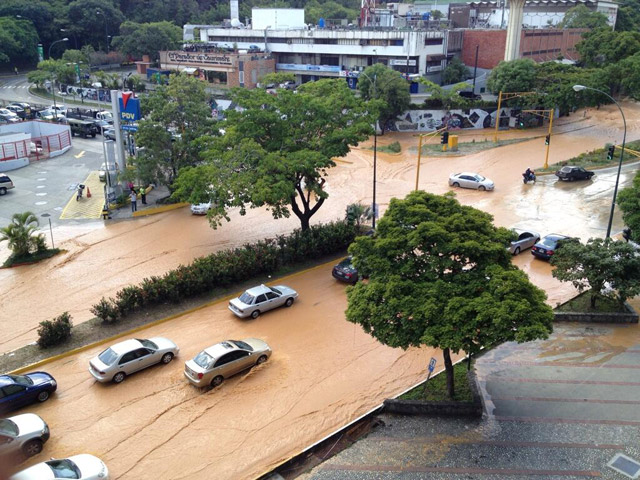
[151,207]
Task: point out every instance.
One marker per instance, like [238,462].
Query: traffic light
[444,139]
[547,139]
[520,121]
[612,149]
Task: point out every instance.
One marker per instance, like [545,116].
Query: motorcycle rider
[529,175]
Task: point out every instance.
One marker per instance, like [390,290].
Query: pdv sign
[129,107]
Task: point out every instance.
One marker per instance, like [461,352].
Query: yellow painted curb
[147,325]
[164,208]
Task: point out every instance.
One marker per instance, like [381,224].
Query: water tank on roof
[321,23]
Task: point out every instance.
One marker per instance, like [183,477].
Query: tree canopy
[629,202]
[514,76]
[277,150]
[581,16]
[18,41]
[455,72]
[136,39]
[440,275]
[604,46]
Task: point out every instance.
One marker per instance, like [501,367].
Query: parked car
[130,356]
[200,208]
[5,184]
[222,360]
[345,271]
[546,247]
[109,134]
[9,116]
[20,390]
[526,239]
[469,95]
[60,109]
[18,110]
[259,299]
[82,127]
[470,180]
[25,433]
[80,467]
[569,173]
[102,173]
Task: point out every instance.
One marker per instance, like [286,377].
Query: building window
[241,78]
[254,76]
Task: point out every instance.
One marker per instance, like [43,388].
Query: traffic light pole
[546,158]
[432,134]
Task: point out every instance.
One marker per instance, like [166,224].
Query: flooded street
[324,371]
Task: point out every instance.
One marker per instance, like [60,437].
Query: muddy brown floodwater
[324,373]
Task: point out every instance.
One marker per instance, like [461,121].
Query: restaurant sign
[200,58]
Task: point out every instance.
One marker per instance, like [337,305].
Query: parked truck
[102,119]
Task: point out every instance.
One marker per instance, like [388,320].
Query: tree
[19,235]
[604,46]
[514,76]
[436,14]
[276,78]
[381,83]
[137,39]
[40,14]
[57,70]
[596,264]
[439,275]
[581,16]
[448,98]
[18,41]
[93,27]
[629,202]
[357,213]
[175,115]
[277,150]
[455,72]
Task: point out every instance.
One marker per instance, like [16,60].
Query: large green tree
[137,39]
[514,76]
[581,16]
[276,151]
[604,46]
[455,72]
[597,264]
[18,41]
[92,27]
[629,202]
[175,116]
[448,98]
[379,82]
[440,275]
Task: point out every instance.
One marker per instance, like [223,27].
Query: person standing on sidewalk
[143,195]
[134,201]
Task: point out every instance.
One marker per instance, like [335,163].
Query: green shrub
[106,310]
[54,332]
[128,299]
[395,147]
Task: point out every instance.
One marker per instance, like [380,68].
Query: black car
[569,174]
[469,95]
[546,247]
[345,271]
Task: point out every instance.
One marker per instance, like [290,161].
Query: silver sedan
[526,239]
[470,180]
[222,360]
[127,357]
[260,299]
[24,433]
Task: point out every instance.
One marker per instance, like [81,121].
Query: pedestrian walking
[15,69]
[143,195]
[130,185]
[134,201]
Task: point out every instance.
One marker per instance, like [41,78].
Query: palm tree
[357,213]
[20,234]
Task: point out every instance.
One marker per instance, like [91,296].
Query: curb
[68,353]
[154,210]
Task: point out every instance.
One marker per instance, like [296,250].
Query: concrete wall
[457,119]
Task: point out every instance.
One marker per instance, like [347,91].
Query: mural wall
[455,119]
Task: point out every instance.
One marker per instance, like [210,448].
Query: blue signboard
[129,128]
[129,107]
[432,364]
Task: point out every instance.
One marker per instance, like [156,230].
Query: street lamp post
[48,217]
[53,89]
[579,88]
[75,39]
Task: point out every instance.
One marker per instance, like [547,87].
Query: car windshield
[549,242]
[148,343]
[346,263]
[21,380]
[243,345]
[247,298]
[7,427]
[204,360]
[108,357]
[64,468]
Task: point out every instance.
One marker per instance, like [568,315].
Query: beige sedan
[222,360]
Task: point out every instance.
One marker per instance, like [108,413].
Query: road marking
[80,155]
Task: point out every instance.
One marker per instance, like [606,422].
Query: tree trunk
[448,366]
[593,301]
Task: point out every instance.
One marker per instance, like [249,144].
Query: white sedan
[259,299]
[80,467]
[470,180]
[200,208]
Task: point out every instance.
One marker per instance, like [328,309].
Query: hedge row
[227,267]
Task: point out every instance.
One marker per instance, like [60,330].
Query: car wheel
[255,314]
[456,184]
[166,358]
[3,190]
[43,396]
[516,251]
[261,359]
[32,447]
[481,188]
[217,381]
[289,302]
[119,377]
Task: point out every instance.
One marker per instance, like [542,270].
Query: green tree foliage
[91,27]
[581,16]
[276,152]
[629,202]
[136,39]
[357,214]
[314,10]
[276,78]
[449,98]
[604,46]
[379,82]
[175,116]
[597,263]
[439,275]
[20,234]
[514,76]
[57,70]
[628,17]
[18,41]
[40,13]
[455,72]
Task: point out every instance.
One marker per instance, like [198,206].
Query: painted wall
[457,119]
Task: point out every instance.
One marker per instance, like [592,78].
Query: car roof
[219,349]
[555,236]
[126,346]
[255,291]
[473,174]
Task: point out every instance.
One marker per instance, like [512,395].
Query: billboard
[129,107]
